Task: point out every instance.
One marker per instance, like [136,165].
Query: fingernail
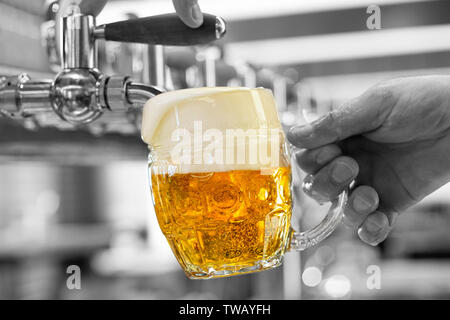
[197,13]
[374,229]
[342,172]
[361,204]
[302,131]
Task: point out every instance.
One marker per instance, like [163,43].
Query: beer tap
[179,60]
[80,93]
[207,59]
[49,35]
[154,66]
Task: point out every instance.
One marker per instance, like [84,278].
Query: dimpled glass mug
[220,176]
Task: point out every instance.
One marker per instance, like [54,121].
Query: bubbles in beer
[223,219]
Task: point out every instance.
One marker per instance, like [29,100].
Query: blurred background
[79,195]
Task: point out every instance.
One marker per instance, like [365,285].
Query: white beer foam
[155,108]
[218,109]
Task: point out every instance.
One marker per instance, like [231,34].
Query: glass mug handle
[303,240]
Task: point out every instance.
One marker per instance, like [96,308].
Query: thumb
[362,114]
[189,12]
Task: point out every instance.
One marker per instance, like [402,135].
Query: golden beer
[220,176]
[224,222]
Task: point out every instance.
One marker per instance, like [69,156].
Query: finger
[376,227]
[331,180]
[189,12]
[360,115]
[362,201]
[311,161]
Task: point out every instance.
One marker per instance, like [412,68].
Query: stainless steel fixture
[81,93]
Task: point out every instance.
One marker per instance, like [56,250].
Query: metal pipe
[138,93]
[208,58]
[155,66]
[79,47]
[21,96]
[8,94]
[35,96]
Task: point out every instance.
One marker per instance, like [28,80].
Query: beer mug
[220,175]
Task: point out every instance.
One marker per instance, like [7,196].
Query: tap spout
[138,93]
[121,93]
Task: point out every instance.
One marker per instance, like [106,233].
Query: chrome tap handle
[50,29]
[165,29]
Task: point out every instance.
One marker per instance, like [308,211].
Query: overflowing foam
[169,117]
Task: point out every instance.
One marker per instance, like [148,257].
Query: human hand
[189,12]
[393,141]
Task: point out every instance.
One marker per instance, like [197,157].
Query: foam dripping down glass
[220,175]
